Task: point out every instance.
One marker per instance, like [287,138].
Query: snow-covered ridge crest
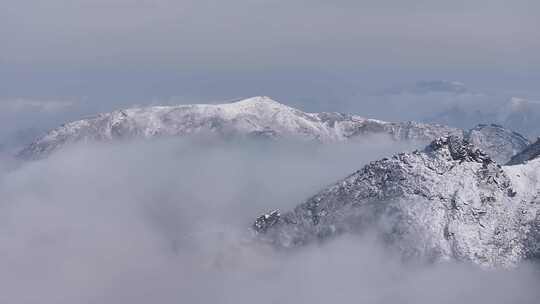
[450,201]
[257,116]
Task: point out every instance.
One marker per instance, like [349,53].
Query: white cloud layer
[166,222]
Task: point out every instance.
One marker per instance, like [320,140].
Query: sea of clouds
[168,221]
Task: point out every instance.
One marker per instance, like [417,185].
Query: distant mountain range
[518,114]
[259,117]
[453,104]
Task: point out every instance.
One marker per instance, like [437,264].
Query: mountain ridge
[257,116]
[450,201]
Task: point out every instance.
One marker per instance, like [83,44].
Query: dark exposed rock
[265,221]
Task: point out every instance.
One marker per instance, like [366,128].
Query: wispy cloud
[18,105]
[108,224]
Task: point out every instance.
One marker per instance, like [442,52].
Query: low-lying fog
[167,221]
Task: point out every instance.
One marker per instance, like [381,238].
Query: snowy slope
[257,116]
[447,202]
[527,154]
[499,143]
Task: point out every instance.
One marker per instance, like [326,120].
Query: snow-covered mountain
[261,117]
[450,201]
[499,143]
[257,116]
[527,154]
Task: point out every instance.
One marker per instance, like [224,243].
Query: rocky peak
[449,201]
[459,148]
[265,221]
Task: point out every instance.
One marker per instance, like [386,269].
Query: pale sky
[100,55]
[248,33]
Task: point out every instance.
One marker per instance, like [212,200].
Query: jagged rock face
[501,144]
[450,201]
[529,153]
[258,116]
